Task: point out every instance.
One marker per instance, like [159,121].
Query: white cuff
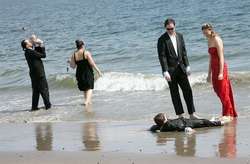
[188,130]
[188,69]
[166,74]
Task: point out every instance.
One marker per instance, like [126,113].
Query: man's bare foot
[194,116]
[180,116]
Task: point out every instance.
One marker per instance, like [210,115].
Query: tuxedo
[169,60]
[175,64]
[180,124]
[37,75]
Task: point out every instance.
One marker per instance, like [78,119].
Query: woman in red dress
[218,72]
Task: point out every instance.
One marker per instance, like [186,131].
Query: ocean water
[122,36]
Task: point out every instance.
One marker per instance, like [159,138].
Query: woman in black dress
[83,62]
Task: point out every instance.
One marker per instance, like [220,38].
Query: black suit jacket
[169,60]
[180,124]
[34,61]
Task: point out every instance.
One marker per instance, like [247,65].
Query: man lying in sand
[163,124]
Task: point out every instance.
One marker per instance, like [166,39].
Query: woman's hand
[209,78]
[220,76]
[100,73]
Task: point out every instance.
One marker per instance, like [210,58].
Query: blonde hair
[208,26]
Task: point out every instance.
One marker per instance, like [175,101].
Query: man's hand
[167,76]
[189,130]
[188,70]
[209,78]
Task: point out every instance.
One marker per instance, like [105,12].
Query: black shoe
[34,109]
[48,107]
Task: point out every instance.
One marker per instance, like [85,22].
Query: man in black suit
[175,67]
[163,124]
[37,74]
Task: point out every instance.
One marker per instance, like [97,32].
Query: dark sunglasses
[170,29]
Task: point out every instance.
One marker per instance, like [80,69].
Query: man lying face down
[163,124]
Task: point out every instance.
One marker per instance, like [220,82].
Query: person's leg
[208,123]
[44,90]
[88,99]
[175,96]
[228,110]
[233,112]
[35,94]
[85,97]
[200,123]
[35,99]
[187,92]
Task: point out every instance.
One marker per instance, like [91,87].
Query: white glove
[167,76]
[188,70]
[189,130]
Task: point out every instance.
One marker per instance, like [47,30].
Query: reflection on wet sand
[90,138]
[227,145]
[184,144]
[88,108]
[44,137]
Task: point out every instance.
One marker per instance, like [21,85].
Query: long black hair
[79,44]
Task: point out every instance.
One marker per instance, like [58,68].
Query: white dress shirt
[174,42]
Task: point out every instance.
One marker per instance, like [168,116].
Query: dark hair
[208,26]
[159,119]
[79,44]
[23,44]
[168,21]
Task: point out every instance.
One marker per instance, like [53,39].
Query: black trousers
[40,86]
[179,78]
[200,123]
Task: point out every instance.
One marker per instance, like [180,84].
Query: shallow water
[114,106]
[122,35]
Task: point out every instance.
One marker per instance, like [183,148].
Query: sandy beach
[114,132]
[121,142]
[105,158]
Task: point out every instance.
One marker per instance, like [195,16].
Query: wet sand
[121,141]
[47,157]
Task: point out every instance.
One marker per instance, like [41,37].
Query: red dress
[223,87]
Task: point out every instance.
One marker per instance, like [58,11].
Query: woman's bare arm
[220,51]
[92,62]
[209,70]
[72,63]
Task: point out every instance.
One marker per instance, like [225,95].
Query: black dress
[84,74]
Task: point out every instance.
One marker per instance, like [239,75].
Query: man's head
[160,119]
[26,44]
[170,26]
